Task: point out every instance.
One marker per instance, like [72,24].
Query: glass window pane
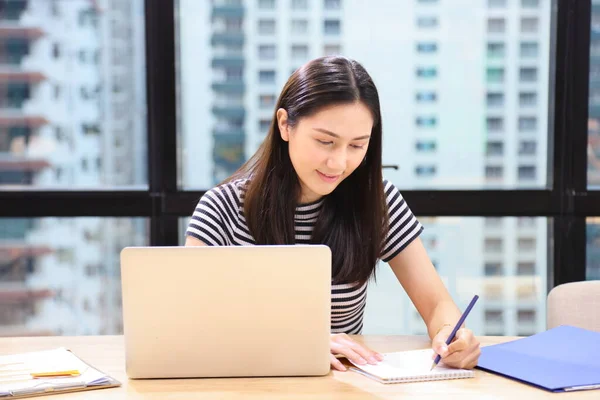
[468,84]
[593,148]
[593,248]
[61,276]
[72,95]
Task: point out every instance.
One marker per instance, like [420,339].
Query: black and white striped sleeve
[207,223]
[403,225]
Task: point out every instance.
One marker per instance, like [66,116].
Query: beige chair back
[576,304]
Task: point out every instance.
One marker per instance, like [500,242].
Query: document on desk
[48,371]
[410,366]
[561,359]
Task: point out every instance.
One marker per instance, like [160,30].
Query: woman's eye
[323,142]
[356,146]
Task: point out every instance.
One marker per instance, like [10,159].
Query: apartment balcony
[228,11]
[225,61]
[228,39]
[229,112]
[12,10]
[8,119]
[228,150]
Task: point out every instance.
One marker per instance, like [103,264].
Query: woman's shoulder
[232,190]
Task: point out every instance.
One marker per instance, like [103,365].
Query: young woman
[317,179]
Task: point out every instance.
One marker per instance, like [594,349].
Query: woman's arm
[428,293]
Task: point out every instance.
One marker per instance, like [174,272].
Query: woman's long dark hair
[353,220]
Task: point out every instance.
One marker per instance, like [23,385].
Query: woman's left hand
[462,352]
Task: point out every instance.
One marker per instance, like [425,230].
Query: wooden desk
[107,354]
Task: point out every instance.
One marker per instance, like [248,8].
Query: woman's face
[327,146]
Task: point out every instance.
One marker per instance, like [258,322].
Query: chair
[576,304]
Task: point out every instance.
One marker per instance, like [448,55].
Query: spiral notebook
[410,366]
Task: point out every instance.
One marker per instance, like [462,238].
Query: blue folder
[560,360]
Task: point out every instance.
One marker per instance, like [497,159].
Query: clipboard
[48,372]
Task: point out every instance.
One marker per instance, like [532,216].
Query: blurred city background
[464,89]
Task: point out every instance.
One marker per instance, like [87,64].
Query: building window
[495,148]
[427,122]
[427,22]
[425,146]
[493,269]
[264,125]
[495,124]
[527,124]
[426,97]
[494,317]
[299,4]
[529,50]
[426,72]
[495,100]
[496,3]
[494,172]
[266,4]
[495,75]
[529,25]
[234,74]
[299,52]
[526,172]
[266,100]
[526,222]
[427,47]
[525,269]
[526,244]
[496,25]
[526,316]
[493,222]
[527,147]
[528,75]
[332,49]
[427,1]
[332,27]
[266,52]
[493,245]
[332,4]
[425,170]
[495,50]
[266,76]
[299,26]
[527,99]
[56,50]
[266,26]
[529,3]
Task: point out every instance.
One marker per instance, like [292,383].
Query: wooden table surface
[106,353]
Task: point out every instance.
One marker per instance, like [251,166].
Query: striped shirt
[219,221]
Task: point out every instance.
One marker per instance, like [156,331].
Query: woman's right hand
[342,344]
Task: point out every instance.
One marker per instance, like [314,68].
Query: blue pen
[458,324]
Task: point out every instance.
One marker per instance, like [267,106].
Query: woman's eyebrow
[335,135]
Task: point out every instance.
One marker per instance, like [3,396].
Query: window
[266,52]
[299,4]
[529,50]
[493,269]
[493,222]
[495,148]
[267,100]
[427,22]
[529,25]
[426,97]
[527,124]
[526,172]
[428,122]
[300,52]
[495,100]
[496,25]
[266,26]
[426,72]
[496,3]
[528,74]
[425,146]
[494,172]
[495,50]
[266,76]
[331,27]
[427,47]
[495,75]
[332,49]
[264,125]
[425,170]
[266,4]
[493,245]
[495,124]
[56,50]
[299,26]
[526,316]
[494,317]
[529,3]
[526,269]
[332,4]
[527,147]
[527,99]
[526,244]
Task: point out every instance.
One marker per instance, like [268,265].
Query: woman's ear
[282,123]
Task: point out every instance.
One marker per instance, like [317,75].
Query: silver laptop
[226,311]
